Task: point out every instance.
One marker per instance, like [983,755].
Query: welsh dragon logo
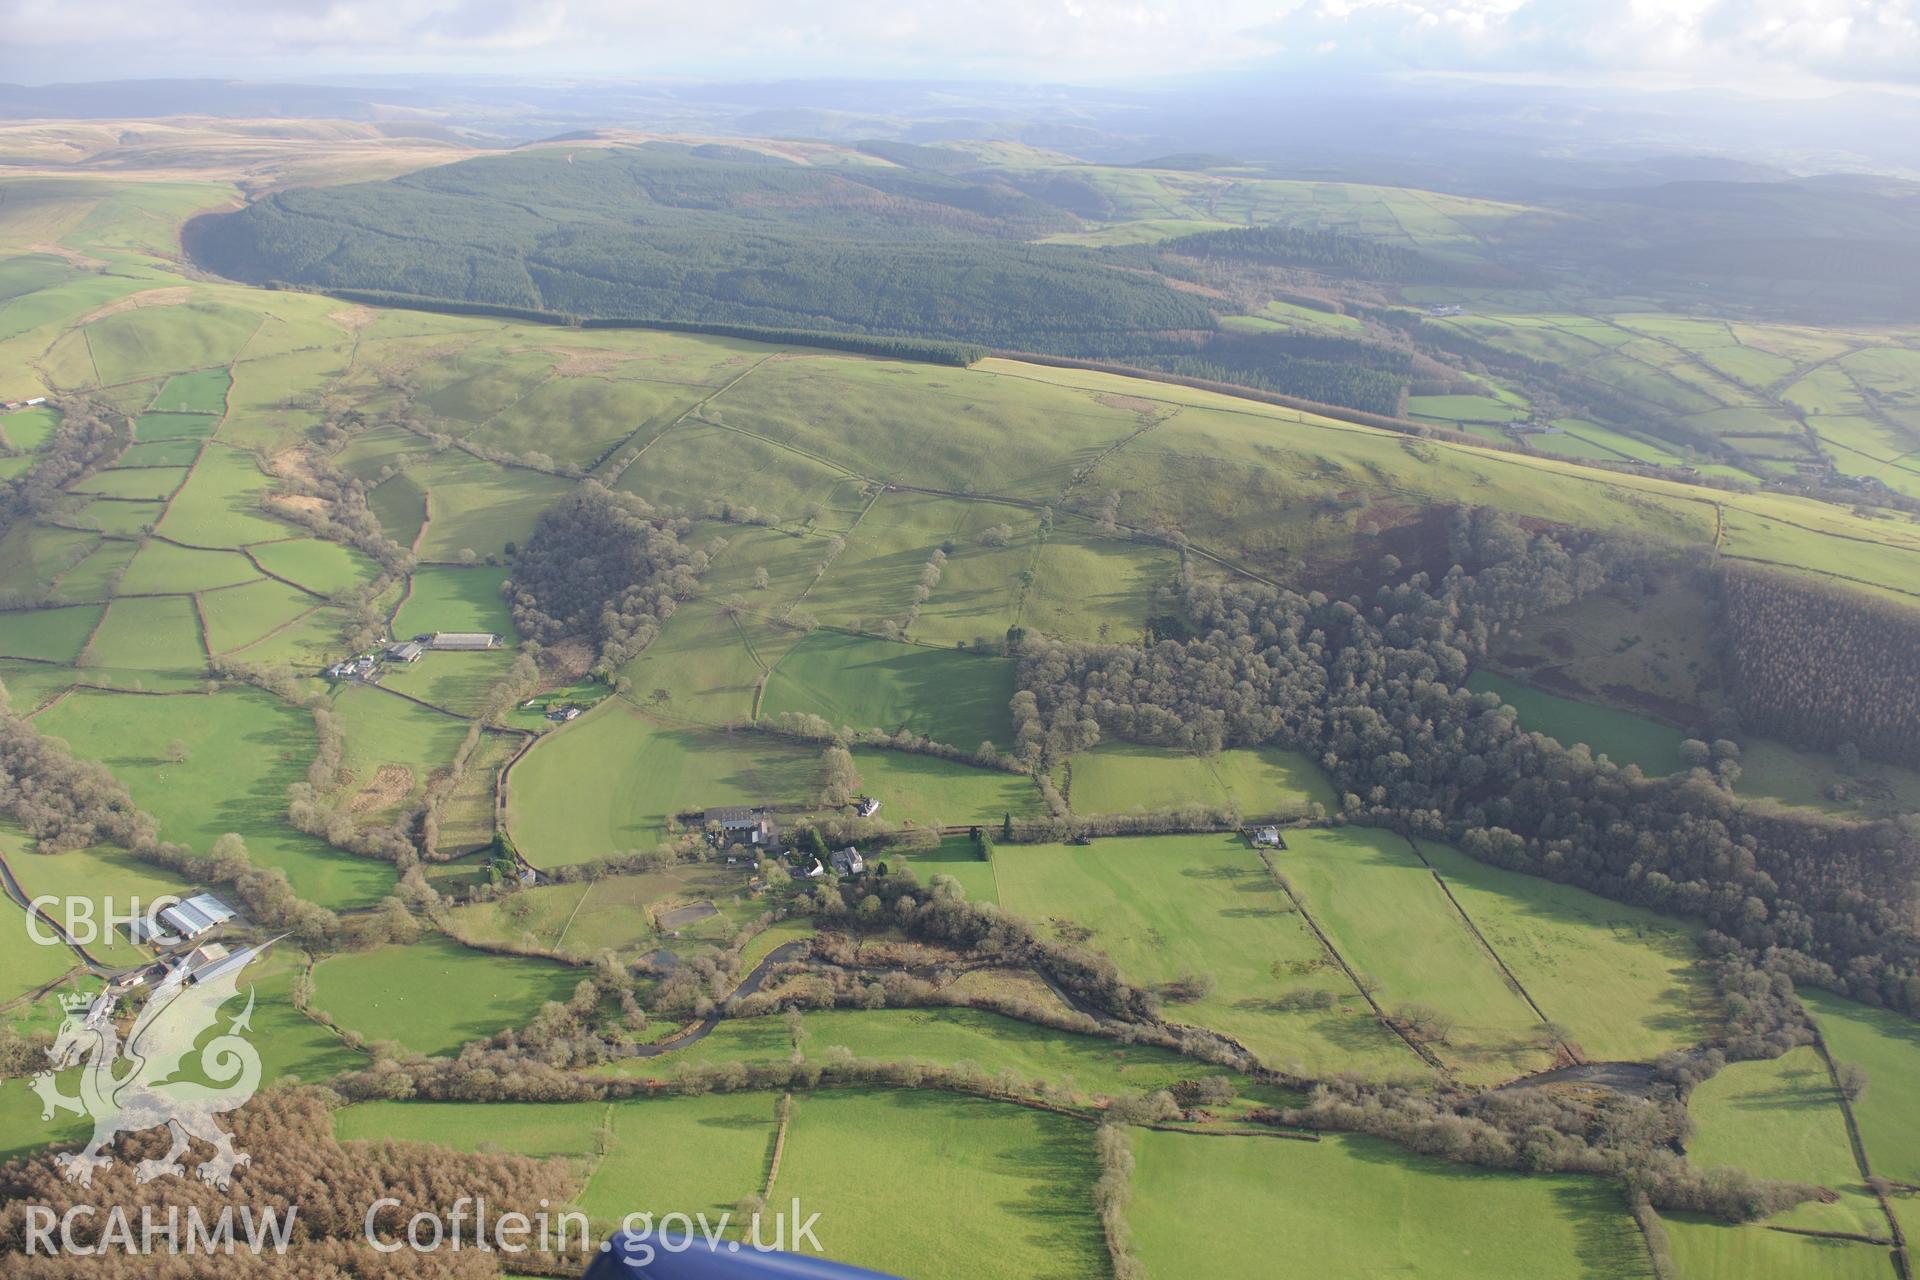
[147,1093]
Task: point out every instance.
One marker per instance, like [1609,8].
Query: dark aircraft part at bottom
[629,1257]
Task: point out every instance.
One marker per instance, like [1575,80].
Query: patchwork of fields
[881,535]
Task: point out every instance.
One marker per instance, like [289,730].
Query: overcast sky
[1760,44]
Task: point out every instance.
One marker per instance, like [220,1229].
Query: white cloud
[1752,41]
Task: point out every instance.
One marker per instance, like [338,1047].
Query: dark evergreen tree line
[1819,666]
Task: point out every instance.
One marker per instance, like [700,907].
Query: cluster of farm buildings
[744,825]
[363,666]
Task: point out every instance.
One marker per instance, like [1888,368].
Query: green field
[1619,735]
[1387,917]
[324,567]
[898,1177]
[443,599]
[1887,1047]
[292,1045]
[864,683]
[111,880]
[1354,1207]
[682,1154]
[236,617]
[927,791]
[1166,906]
[954,856]
[202,392]
[1063,503]
[1624,982]
[537,1129]
[618,913]
[392,748]
[609,781]
[1121,777]
[26,963]
[1092,1068]
[1706,1249]
[243,748]
[149,634]
[52,635]
[1782,1119]
[161,568]
[436,995]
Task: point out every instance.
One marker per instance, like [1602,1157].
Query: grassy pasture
[1166,906]
[220,503]
[202,392]
[27,964]
[31,685]
[55,635]
[1087,588]
[156,634]
[682,1154]
[326,567]
[537,1129]
[107,878]
[456,680]
[1119,777]
[162,453]
[28,429]
[928,791]
[150,484]
[1356,1207]
[702,467]
[1708,1249]
[1887,1046]
[436,995]
[972,430]
[1091,1066]
[616,913]
[1782,1119]
[709,664]
[609,781]
[161,568]
[392,747]
[577,420]
[935,1168]
[167,428]
[243,749]
[1622,980]
[954,856]
[1620,735]
[477,506]
[872,581]
[290,1043]
[308,641]
[31,556]
[449,599]
[864,683]
[400,505]
[127,518]
[154,340]
[1780,772]
[1385,915]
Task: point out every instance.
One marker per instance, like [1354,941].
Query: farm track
[781,954]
